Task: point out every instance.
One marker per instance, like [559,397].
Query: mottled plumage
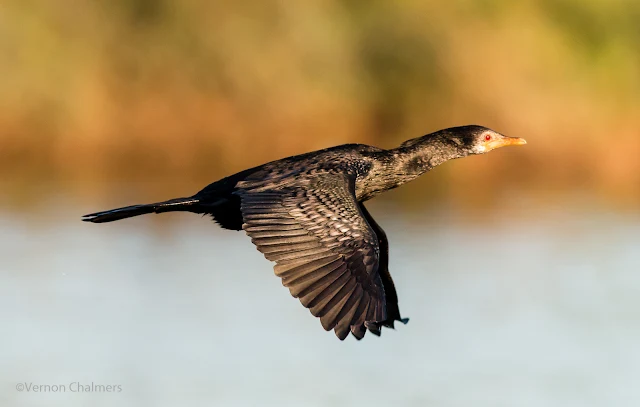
[306,214]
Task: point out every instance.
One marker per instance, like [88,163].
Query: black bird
[306,214]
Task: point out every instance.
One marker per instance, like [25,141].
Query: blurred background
[518,268]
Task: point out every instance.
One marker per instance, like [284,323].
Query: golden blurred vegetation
[95,95]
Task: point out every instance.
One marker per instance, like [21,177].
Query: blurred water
[539,312]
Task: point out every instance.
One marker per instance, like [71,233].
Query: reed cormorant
[306,214]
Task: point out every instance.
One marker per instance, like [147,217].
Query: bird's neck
[419,158]
[394,167]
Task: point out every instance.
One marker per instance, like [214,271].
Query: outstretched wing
[393,312]
[325,250]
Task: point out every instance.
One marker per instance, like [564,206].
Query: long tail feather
[172,205]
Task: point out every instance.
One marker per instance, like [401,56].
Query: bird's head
[426,152]
[477,139]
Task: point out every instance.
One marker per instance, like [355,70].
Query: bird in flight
[306,213]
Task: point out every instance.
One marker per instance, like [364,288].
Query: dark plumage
[306,214]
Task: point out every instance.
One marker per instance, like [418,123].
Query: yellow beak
[503,142]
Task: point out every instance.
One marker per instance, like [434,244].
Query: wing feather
[325,250]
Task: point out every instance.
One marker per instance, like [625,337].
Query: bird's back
[220,198]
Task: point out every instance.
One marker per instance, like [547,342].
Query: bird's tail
[172,205]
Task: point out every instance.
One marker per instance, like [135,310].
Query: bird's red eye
[487,137]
